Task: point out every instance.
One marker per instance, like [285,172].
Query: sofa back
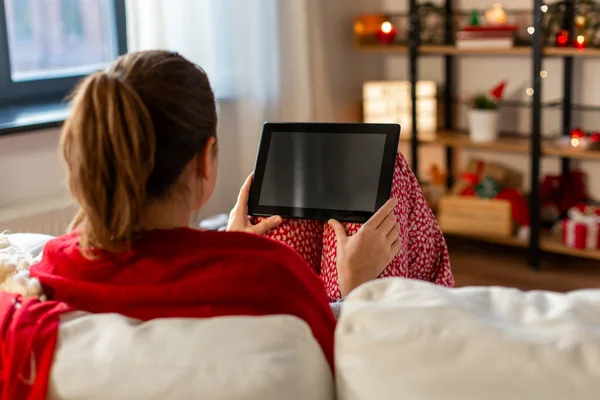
[108,356]
[403,339]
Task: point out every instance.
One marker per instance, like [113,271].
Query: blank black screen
[323,171]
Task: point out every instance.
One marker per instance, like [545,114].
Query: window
[46,46]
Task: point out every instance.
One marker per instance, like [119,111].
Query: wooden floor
[475,263]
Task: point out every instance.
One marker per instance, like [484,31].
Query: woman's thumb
[340,231]
[268,224]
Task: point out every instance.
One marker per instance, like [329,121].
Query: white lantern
[389,102]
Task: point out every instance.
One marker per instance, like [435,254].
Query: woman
[141,150]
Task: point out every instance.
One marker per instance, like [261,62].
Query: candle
[386,33]
[496,15]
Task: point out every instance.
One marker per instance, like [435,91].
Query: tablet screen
[323,171]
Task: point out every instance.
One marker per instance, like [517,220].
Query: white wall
[483,72]
[30,170]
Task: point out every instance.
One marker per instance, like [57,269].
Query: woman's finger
[265,226]
[388,224]
[381,214]
[396,247]
[242,201]
[393,234]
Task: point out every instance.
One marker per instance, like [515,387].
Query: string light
[529,92]
[544,8]
[543,74]
[531,30]
[575,142]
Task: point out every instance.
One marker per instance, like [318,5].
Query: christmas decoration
[520,209]
[496,15]
[562,38]
[498,92]
[474,20]
[581,228]
[580,42]
[387,33]
[586,24]
[490,181]
[559,193]
[487,188]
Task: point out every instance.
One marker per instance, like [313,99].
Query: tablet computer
[323,170]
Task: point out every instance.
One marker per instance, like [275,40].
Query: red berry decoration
[595,137]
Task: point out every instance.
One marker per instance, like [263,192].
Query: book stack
[486,37]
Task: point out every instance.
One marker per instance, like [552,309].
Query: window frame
[50,89]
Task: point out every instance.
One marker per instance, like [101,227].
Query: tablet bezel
[392,132]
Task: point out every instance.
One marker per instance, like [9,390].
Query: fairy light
[531,30]
[544,8]
[575,142]
[543,74]
[529,91]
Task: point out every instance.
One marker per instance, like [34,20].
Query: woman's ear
[208,158]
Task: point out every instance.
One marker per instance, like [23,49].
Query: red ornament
[498,92]
[578,133]
[562,38]
[386,33]
[595,137]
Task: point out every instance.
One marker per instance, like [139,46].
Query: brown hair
[132,130]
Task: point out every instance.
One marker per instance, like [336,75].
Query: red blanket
[176,273]
[28,331]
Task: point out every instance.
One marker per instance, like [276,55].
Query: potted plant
[483,117]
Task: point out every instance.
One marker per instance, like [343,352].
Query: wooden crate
[474,216]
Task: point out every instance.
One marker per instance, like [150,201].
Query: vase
[483,125]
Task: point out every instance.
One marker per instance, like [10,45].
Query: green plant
[483,101]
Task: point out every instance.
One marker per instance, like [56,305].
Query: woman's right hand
[363,256]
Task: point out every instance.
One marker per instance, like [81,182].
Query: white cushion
[403,339]
[107,356]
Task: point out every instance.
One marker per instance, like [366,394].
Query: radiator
[50,217]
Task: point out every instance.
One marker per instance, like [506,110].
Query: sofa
[396,339]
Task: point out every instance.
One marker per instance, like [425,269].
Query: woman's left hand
[238,218]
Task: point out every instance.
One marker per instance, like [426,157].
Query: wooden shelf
[506,241]
[452,50]
[508,144]
[552,244]
[548,243]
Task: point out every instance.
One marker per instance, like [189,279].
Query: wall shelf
[506,144]
[548,242]
[452,50]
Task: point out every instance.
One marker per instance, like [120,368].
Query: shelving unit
[535,146]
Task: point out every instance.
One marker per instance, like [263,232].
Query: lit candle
[387,32]
[496,15]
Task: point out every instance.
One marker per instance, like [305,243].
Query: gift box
[581,228]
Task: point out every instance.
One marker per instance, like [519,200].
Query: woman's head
[140,143]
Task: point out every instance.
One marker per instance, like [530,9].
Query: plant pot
[483,125]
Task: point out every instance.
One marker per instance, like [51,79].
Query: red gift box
[581,230]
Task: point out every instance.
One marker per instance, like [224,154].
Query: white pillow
[108,356]
[403,339]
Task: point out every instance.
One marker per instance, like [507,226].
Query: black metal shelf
[540,241]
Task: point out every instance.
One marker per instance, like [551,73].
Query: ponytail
[109,146]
